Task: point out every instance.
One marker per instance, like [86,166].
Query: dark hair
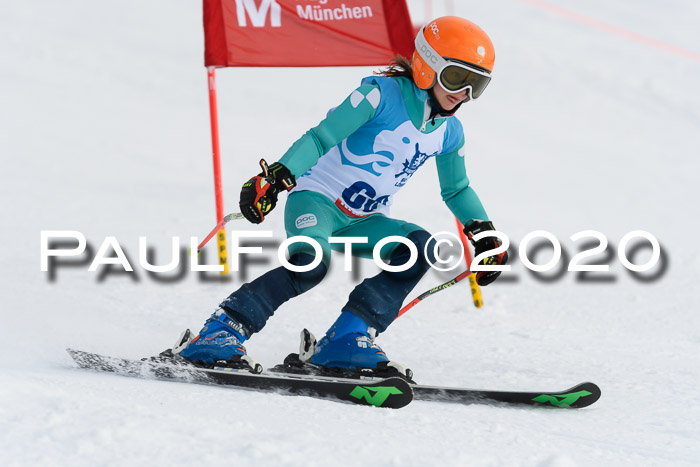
[398,66]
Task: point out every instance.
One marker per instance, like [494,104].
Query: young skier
[341,176]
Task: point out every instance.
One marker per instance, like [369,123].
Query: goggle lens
[455,78]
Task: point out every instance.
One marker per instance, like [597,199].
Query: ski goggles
[453,76]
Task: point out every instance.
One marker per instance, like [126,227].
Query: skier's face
[447,100]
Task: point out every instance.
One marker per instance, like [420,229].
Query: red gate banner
[305,32]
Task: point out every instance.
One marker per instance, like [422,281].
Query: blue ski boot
[349,344]
[218,344]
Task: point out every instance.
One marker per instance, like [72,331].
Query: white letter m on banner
[258,15]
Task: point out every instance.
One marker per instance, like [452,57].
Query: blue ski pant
[376,300]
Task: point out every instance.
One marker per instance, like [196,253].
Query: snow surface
[105,131]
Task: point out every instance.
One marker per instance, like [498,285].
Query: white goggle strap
[426,51]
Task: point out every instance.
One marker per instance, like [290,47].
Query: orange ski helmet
[451,40]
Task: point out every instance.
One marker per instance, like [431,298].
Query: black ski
[581,395]
[391,392]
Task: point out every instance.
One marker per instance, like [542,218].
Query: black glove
[259,194]
[485,244]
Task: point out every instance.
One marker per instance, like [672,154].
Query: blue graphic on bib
[361,196]
[373,153]
[410,167]
[365,161]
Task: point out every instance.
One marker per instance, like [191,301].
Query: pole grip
[473,286]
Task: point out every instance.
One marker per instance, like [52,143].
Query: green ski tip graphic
[378,398]
[561,400]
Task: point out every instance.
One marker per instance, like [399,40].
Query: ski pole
[430,292]
[219,226]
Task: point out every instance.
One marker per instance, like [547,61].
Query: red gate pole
[218,192]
